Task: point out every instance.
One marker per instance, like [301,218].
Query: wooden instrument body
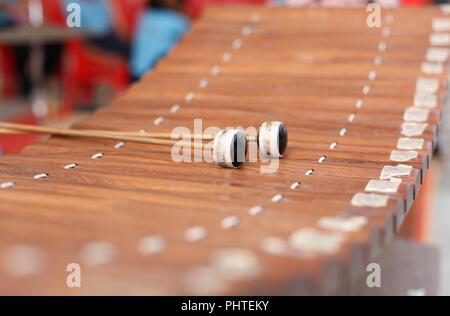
[308,68]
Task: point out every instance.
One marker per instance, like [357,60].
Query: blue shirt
[3,18]
[157,32]
[95,15]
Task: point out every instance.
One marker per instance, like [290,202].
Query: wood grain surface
[138,222]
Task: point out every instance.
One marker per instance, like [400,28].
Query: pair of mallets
[229,148]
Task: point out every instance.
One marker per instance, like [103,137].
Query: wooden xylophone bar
[362,106]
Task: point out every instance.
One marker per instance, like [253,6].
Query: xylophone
[362,107]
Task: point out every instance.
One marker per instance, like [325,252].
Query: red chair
[8,72]
[83,70]
[54,12]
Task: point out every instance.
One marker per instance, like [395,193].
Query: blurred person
[8,10]
[160,27]
[5,19]
[104,18]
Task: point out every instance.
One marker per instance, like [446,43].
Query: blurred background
[51,74]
